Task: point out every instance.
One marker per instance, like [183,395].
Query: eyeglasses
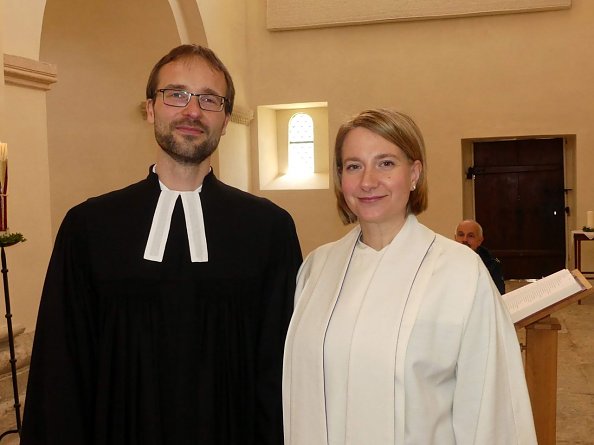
[181,98]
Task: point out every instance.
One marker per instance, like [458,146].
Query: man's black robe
[129,351]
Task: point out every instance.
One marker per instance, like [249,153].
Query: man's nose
[193,107]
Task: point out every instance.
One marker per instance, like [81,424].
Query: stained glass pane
[301,158]
[301,128]
[301,145]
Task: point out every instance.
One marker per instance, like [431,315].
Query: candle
[590,219]
[3,185]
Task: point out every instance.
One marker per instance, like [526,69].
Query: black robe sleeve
[276,314]
[59,401]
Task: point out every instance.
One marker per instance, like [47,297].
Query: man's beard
[187,151]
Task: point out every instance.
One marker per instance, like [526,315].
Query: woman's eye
[350,167]
[386,163]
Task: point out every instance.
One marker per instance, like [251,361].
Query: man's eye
[211,100]
[178,94]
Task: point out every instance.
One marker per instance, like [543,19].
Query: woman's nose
[369,179]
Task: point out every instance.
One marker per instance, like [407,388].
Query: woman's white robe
[434,356]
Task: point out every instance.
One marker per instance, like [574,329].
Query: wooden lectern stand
[541,361]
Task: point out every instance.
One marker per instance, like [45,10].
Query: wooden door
[520,202]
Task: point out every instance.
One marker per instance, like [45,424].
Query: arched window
[301,145]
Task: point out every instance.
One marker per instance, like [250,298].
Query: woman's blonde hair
[397,128]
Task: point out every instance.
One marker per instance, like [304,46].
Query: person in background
[398,335]
[470,233]
[165,306]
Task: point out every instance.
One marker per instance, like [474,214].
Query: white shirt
[337,344]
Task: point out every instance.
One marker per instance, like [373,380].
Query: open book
[536,296]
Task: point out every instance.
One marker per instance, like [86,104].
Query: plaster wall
[23,128]
[2,116]
[475,77]
[234,156]
[21,27]
[28,200]
[224,23]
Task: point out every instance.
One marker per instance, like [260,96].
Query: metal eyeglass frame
[198,95]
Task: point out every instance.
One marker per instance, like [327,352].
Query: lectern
[541,361]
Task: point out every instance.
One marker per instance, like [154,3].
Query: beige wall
[2,103]
[234,156]
[224,23]
[28,199]
[288,14]
[21,27]
[491,76]
[23,127]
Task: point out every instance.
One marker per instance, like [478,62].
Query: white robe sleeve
[491,402]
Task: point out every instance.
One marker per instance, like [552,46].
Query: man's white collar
[155,246]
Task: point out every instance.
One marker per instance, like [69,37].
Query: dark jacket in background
[494,266]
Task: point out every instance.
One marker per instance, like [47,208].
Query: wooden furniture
[578,237]
[541,361]
[541,377]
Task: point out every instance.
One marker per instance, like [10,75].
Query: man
[166,303]
[470,233]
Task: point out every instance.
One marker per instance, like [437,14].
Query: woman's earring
[413,187]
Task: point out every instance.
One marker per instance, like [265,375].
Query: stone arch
[189,21]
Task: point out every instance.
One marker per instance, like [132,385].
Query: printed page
[533,297]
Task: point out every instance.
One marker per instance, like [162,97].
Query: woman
[398,334]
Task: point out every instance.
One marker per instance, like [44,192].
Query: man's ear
[150,110]
[227,119]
